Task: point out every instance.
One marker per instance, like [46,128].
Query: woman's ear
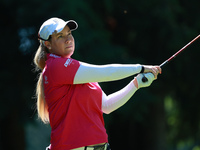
[47,44]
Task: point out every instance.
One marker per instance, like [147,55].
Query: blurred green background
[165,116]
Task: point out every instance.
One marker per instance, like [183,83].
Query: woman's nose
[68,40]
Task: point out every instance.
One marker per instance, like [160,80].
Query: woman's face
[61,43]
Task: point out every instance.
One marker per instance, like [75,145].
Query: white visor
[55,24]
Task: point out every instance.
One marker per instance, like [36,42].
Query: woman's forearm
[117,99]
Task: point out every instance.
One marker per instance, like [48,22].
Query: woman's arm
[102,73]
[119,98]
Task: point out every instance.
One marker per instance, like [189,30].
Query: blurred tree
[163,116]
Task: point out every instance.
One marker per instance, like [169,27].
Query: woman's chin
[68,55]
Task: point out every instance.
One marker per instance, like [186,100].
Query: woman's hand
[138,80]
[153,69]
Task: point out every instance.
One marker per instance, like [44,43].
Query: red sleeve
[63,70]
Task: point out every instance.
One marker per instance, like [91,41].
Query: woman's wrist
[142,69]
[135,82]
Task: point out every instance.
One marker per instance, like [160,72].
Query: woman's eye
[61,36]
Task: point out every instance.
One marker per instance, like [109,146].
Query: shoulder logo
[68,62]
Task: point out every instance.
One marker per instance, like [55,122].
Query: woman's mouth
[69,46]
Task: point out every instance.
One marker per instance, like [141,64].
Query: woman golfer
[68,94]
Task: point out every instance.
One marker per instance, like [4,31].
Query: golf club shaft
[144,79]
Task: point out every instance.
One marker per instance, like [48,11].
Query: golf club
[144,79]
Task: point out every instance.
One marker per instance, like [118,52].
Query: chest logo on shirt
[68,62]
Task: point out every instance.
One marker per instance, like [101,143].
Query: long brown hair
[39,60]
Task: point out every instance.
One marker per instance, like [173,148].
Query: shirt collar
[50,55]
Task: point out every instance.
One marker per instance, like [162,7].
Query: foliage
[163,116]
